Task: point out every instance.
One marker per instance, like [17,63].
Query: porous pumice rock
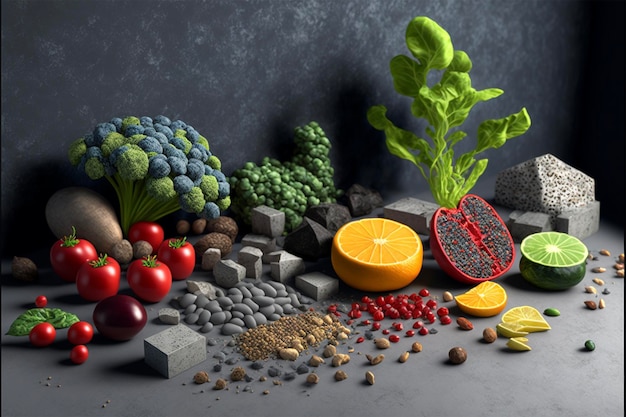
[362,200]
[544,185]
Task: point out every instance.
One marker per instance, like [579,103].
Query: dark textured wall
[245,73]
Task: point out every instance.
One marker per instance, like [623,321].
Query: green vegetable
[553,312]
[291,186]
[445,106]
[156,166]
[29,319]
[590,345]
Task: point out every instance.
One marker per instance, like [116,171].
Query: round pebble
[190,308]
[263,300]
[187,300]
[225,302]
[191,318]
[249,321]
[207,327]
[213,306]
[243,308]
[204,317]
[230,329]
[237,321]
[253,306]
[218,317]
[259,318]
[267,289]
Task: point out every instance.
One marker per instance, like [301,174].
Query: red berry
[410,333]
[423,331]
[418,324]
[443,311]
[378,315]
[394,338]
[361,339]
[445,319]
[424,292]
[432,304]
[41,301]
[398,326]
[386,331]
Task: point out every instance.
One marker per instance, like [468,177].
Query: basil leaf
[429,43]
[24,323]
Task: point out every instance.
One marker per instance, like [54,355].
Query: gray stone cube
[267,221]
[265,243]
[412,212]
[174,350]
[252,259]
[286,267]
[581,222]
[228,273]
[528,224]
[317,285]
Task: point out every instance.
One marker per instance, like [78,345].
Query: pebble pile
[248,304]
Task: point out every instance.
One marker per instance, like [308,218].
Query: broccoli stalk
[156,166]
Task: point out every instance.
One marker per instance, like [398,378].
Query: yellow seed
[447,296]
[316,361]
[312,378]
[605,252]
[369,377]
[620,273]
[598,281]
[598,270]
[340,375]
[382,343]
[376,359]
[340,358]
[621,258]
[601,303]
[416,347]
[591,290]
[329,351]
[404,357]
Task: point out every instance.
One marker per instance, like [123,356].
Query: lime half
[553,260]
[554,249]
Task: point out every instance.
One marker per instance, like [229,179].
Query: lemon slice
[511,330]
[518,343]
[527,316]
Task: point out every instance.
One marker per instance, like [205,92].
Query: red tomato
[98,279]
[179,255]
[149,279]
[151,232]
[42,334]
[80,333]
[79,354]
[41,301]
[69,253]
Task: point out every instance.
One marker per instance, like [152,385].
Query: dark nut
[457,355]
[490,335]
[464,323]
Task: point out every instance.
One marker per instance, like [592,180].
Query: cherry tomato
[42,334]
[98,279]
[149,279]
[179,255]
[80,333]
[79,354]
[41,301]
[69,253]
[150,232]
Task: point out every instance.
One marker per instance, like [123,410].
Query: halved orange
[484,300]
[377,254]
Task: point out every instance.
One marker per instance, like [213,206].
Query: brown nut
[201,377]
[591,305]
[457,355]
[416,347]
[490,335]
[464,323]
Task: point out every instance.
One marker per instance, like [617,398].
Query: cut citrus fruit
[518,343]
[553,260]
[484,300]
[511,329]
[377,254]
[528,317]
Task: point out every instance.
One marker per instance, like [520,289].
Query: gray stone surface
[174,350]
[527,224]
[317,285]
[310,240]
[265,243]
[210,257]
[228,273]
[169,315]
[252,259]
[267,221]
[286,267]
[581,222]
[412,212]
[330,215]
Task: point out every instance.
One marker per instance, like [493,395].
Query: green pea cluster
[290,186]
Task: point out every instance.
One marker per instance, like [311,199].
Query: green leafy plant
[445,106]
[24,323]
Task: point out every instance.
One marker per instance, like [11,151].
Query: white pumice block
[412,212]
[265,243]
[267,221]
[210,257]
[228,273]
[287,267]
[317,285]
[252,259]
[174,350]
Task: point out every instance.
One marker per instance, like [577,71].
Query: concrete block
[252,259]
[169,315]
[287,267]
[174,350]
[270,257]
[267,221]
[581,222]
[228,273]
[412,212]
[210,257]
[265,243]
[529,223]
[317,285]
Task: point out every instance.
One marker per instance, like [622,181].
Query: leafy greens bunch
[445,106]
[290,186]
[156,166]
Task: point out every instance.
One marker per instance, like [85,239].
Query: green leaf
[494,133]
[24,323]
[408,76]
[461,62]
[429,43]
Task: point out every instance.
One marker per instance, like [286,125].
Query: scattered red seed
[410,333]
[394,338]
[424,292]
[423,331]
[360,339]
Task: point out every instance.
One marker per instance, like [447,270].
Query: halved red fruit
[471,243]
